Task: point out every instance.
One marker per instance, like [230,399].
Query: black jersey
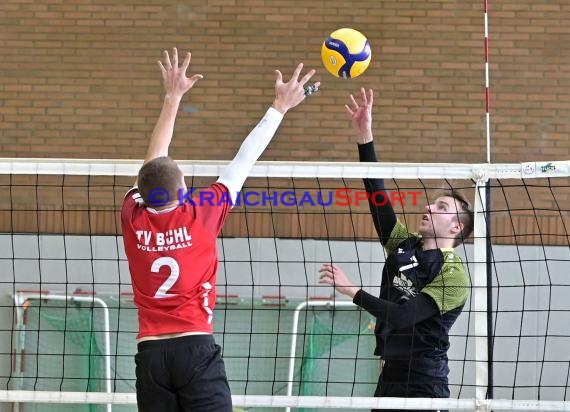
[421,295]
[408,272]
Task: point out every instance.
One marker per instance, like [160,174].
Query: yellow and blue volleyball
[346,53]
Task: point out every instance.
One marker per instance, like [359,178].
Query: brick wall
[79,79]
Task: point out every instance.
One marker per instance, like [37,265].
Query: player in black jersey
[424,283]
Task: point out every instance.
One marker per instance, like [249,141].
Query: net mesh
[62,353]
[60,237]
[337,360]
[61,343]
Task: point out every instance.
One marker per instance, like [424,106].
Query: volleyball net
[69,322]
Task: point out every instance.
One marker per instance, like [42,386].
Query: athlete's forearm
[397,316]
[235,174]
[383,216]
[164,129]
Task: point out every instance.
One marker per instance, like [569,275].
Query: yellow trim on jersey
[398,235]
[450,288]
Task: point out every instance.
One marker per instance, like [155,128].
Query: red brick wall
[79,78]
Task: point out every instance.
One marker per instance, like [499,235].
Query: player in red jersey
[170,243]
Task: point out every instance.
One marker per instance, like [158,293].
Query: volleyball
[346,53]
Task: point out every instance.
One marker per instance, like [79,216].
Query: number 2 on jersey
[162,291]
[174,273]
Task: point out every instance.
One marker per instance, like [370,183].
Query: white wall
[257,267]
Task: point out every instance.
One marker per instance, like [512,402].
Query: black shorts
[182,374]
[405,387]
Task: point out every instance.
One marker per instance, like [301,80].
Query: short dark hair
[161,172]
[464,214]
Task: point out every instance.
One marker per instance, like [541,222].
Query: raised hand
[361,115]
[176,84]
[290,94]
[333,275]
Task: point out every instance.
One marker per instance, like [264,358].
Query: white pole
[479,294]
[298,309]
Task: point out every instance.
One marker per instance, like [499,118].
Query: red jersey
[173,261]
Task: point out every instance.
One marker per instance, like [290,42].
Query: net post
[479,294]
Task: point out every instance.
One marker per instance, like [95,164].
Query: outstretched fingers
[166,57]
[165,65]
[297,72]
[353,103]
[186,61]
[307,77]
[175,57]
[195,78]
[327,269]
[367,99]
[175,80]
[352,107]
[325,275]
[294,91]
[279,77]
[162,69]
[363,98]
